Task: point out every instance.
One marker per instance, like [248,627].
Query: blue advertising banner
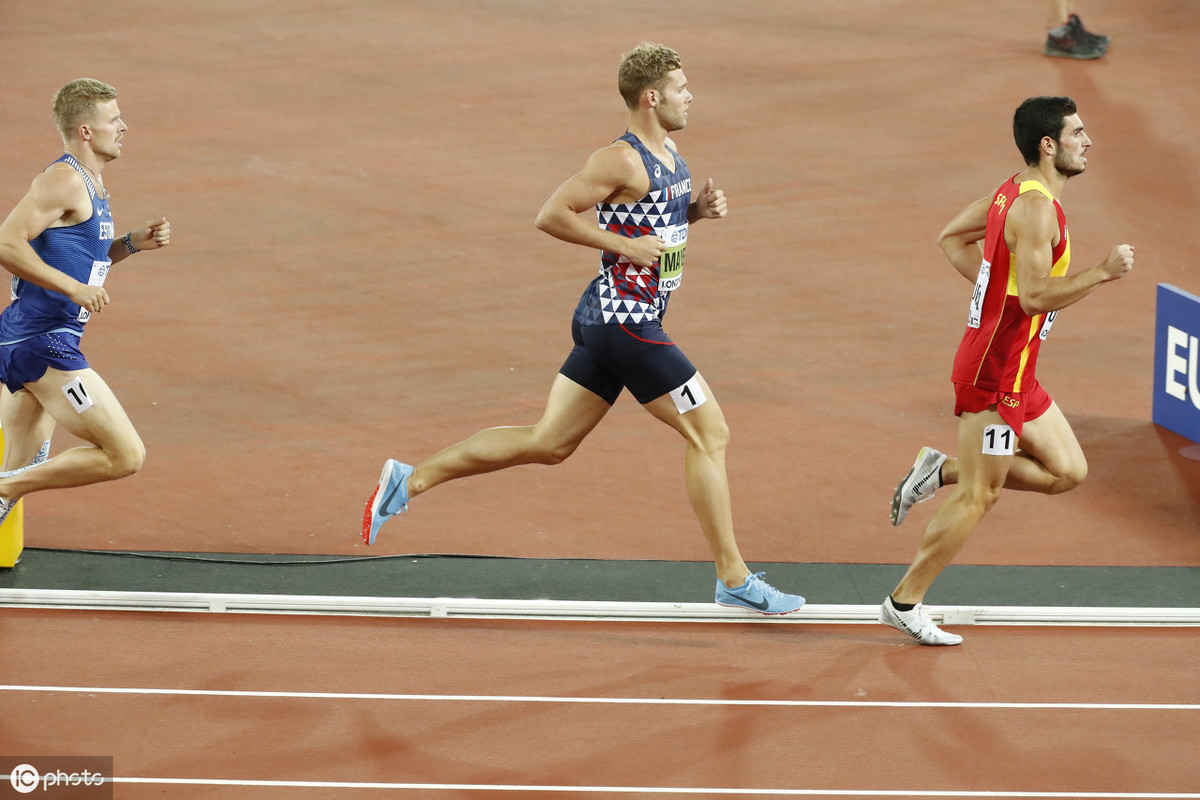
[1177,362]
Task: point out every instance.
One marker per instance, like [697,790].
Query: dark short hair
[1037,118]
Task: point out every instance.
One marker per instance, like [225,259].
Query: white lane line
[649,701]
[576,610]
[660,789]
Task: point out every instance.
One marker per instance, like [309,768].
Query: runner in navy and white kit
[643,194]
[59,244]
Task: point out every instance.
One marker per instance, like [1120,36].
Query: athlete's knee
[127,459]
[552,450]
[720,435]
[557,454]
[711,437]
[1069,477]
[978,498]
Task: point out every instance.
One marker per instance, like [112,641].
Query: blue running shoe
[758,595]
[389,499]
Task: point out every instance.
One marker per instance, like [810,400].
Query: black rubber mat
[425,576]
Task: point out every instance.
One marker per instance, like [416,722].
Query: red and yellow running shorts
[1016,408]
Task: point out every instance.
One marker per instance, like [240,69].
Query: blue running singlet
[80,251]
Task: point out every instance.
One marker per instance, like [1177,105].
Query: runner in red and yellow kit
[996,361]
[1021,282]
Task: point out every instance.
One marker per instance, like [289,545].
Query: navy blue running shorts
[27,361]
[608,358]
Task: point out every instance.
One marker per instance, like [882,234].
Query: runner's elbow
[1033,305]
[547,219]
[944,241]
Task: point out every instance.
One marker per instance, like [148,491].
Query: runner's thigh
[694,412]
[1050,440]
[985,453]
[82,402]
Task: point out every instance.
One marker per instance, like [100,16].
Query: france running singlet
[80,251]
[625,292]
[999,350]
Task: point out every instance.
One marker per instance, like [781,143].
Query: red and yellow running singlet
[1000,347]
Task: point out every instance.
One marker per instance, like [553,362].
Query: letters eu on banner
[1177,362]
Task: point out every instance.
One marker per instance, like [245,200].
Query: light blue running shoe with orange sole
[758,595]
[389,498]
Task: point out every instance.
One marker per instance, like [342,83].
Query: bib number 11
[998,440]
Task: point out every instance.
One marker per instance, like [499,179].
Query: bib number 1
[690,395]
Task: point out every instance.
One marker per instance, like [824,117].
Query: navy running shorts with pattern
[27,361]
[608,358]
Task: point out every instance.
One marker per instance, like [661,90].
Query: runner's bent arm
[609,174]
[151,236]
[56,194]
[709,204]
[960,238]
[1030,229]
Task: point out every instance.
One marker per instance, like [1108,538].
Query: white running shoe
[919,484]
[917,624]
[43,455]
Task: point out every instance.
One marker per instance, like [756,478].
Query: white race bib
[77,395]
[670,263]
[975,317]
[999,440]
[1046,325]
[690,395]
[96,278]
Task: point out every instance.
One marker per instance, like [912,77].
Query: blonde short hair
[75,103]
[645,67]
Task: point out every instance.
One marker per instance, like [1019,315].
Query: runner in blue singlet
[59,244]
